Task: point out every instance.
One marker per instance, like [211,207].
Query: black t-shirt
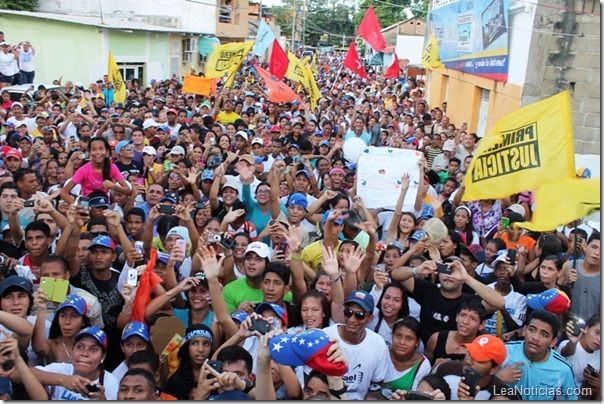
[133,168]
[437,312]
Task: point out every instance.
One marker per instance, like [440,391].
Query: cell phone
[282,247]
[140,246]
[167,165]
[592,370]
[443,268]
[578,325]
[167,209]
[216,365]
[181,245]
[260,325]
[132,279]
[84,201]
[418,395]
[92,388]
[140,181]
[28,204]
[471,377]
[199,205]
[505,222]
[228,242]
[512,256]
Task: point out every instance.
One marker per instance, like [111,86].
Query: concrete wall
[410,47]
[566,49]
[188,15]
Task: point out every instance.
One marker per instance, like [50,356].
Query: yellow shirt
[312,254]
[225,117]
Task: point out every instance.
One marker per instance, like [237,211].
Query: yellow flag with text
[297,70]
[115,77]
[227,59]
[560,202]
[430,56]
[313,89]
[526,149]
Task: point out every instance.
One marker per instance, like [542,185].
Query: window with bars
[189,49]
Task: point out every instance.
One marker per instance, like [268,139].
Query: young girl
[193,353]
[98,174]
[69,319]
[315,312]
[462,224]
[391,305]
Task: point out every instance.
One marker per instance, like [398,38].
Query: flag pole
[337,75]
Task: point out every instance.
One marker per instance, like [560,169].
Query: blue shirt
[365,136]
[549,380]
[254,213]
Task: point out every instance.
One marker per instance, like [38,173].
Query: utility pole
[293,26]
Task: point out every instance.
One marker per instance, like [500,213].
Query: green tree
[391,11]
[19,5]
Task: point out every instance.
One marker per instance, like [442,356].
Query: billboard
[472,35]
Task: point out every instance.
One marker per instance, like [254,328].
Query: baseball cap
[242,134]
[164,128]
[280,311]
[500,258]
[295,145]
[363,299]
[163,257]
[427,211]
[15,281]
[179,231]
[94,332]
[326,214]
[517,208]
[207,175]
[259,248]
[258,140]
[324,143]
[239,315]
[233,395]
[172,111]
[275,129]
[298,199]
[231,184]
[487,347]
[417,235]
[136,328]
[17,104]
[122,144]
[436,229]
[449,145]
[26,137]
[584,172]
[102,241]
[150,150]
[477,252]
[99,201]
[76,302]
[150,123]
[178,150]
[553,300]
[14,153]
[248,158]
[206,104]
[305,172]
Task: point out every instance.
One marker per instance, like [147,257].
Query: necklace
[66,352]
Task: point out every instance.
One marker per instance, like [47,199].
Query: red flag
[278,91]
[394,69]
[370,30]
[146,285]
[279,61]
[353,62]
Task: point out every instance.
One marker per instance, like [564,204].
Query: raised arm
[275,179]
[398,210]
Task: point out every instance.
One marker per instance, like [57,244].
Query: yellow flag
[560,202]
[526,149]
[297,70]
[227,59]
[313,65]
[313,89]
[115,77]
[430,57]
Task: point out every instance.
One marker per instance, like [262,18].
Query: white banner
[379,176]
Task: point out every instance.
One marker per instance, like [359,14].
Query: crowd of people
[177,246]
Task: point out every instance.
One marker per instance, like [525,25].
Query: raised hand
[353,261]
[211,266]
[330,262]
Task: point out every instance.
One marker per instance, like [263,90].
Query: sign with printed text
[379,176]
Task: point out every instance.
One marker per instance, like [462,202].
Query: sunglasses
[360,315]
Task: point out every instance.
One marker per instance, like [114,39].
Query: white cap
[150,150]
[258,140]
[242,134]
[150,123]
[502,257]
[449,145]
[178,150]
[517,208]
[231,184]
[259,248]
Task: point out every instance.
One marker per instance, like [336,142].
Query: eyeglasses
[118,132]
[264,192]
[129,148]
[360,315]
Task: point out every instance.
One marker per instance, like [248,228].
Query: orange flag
[393,71]
[147,282]
[197,85]
[278,91]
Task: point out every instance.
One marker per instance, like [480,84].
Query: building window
[226,11]
[189,49]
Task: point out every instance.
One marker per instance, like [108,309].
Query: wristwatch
[248,387]
[338,393]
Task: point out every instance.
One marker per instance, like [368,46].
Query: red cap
[14,153]
[172,110]
[487,347]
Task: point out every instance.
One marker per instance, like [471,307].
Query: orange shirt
[526,241]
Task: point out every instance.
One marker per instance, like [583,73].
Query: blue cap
[305,172]
[298,199]
[280,311]
[163,257]
[239,315]
[417,235]
[102,241]
[207,175]
[233,395]
[6,386]
[324,143]
[94,332]
[427,211]
[363,299]
[114,115]
[99,201]
[122,144]
[15,281]
[170,198]
[326,214]
[136,328]
[76,302]
[26,137]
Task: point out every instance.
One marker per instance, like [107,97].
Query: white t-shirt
[453,382]
[120,371]
[580,360]
[110,383]
[8,64]
[31,123]
[515,304]
[26,61]
[392,374]
[367,362]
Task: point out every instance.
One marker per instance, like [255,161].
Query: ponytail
[107,168]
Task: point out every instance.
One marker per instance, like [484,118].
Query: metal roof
[110,22]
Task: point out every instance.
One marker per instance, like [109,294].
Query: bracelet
[228,256]
[295,257]
[338,393]
[337,279]
[415,271]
